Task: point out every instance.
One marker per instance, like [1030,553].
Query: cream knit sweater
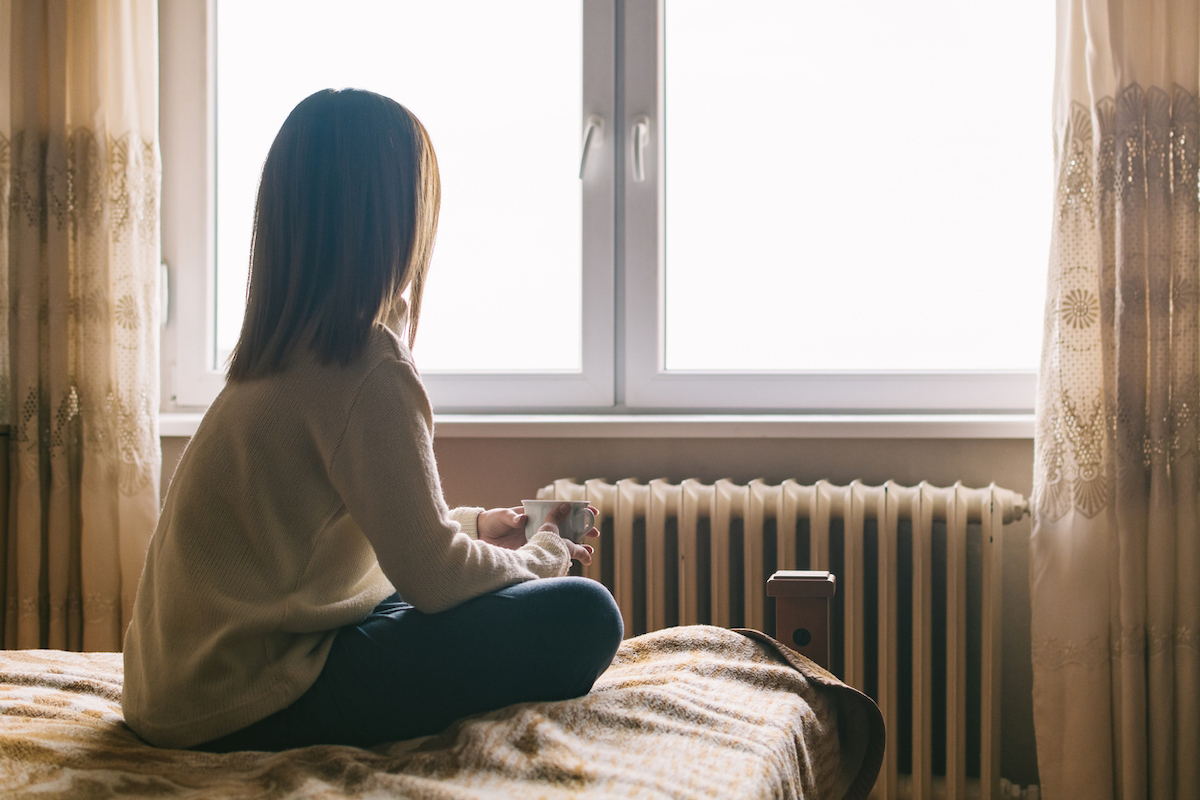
[301,501]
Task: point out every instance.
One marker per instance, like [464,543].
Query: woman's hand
[579,552]
[503,527]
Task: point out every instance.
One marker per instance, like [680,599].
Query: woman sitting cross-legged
[306,583]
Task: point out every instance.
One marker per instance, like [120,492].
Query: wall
[502,471]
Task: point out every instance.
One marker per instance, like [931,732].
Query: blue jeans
[401,673]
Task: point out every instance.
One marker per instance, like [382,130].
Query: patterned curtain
[1115,570]
[79,256]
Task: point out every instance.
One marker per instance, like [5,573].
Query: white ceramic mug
[574,527]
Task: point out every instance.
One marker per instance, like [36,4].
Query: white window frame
[188,136]
[592,388]
[623,279]
[647,382]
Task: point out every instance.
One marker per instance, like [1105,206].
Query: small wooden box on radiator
[802,600]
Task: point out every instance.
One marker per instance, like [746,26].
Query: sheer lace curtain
[79,255]
[1116,544]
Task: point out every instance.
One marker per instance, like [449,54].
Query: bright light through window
[498,87]
[857,187]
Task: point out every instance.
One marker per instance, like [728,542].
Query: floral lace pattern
[1148,139]
[1117,446]
[79,255]
[106,210]
[1091,652]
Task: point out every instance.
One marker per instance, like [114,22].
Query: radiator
[905,557]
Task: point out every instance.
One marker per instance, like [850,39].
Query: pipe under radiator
[655,559]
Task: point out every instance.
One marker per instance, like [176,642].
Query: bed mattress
[694,712]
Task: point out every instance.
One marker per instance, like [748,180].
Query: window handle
[641,138]
[592,134]
[164,293]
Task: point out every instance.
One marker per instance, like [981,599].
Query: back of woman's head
[345,221]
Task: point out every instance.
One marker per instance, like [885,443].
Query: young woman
[307,583]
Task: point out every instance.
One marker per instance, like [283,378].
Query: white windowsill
[178,423]
[704,426]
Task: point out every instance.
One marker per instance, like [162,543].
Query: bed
[693,712]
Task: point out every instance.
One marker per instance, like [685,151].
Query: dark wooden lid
[801,583]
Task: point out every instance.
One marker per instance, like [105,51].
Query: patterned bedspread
[696,712]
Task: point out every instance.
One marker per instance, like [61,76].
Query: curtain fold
[79,255]
[1115,568]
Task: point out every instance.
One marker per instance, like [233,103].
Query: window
[522,238]
[843,209]
[781,206]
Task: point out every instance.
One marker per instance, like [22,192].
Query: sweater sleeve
[468,519]
[383,467]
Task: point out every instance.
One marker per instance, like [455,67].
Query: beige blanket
[688,712]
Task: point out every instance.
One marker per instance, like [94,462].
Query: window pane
[498,87]
[857,187]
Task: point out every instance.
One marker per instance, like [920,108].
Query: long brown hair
[345,221]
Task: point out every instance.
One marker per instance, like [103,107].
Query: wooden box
[802,599]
